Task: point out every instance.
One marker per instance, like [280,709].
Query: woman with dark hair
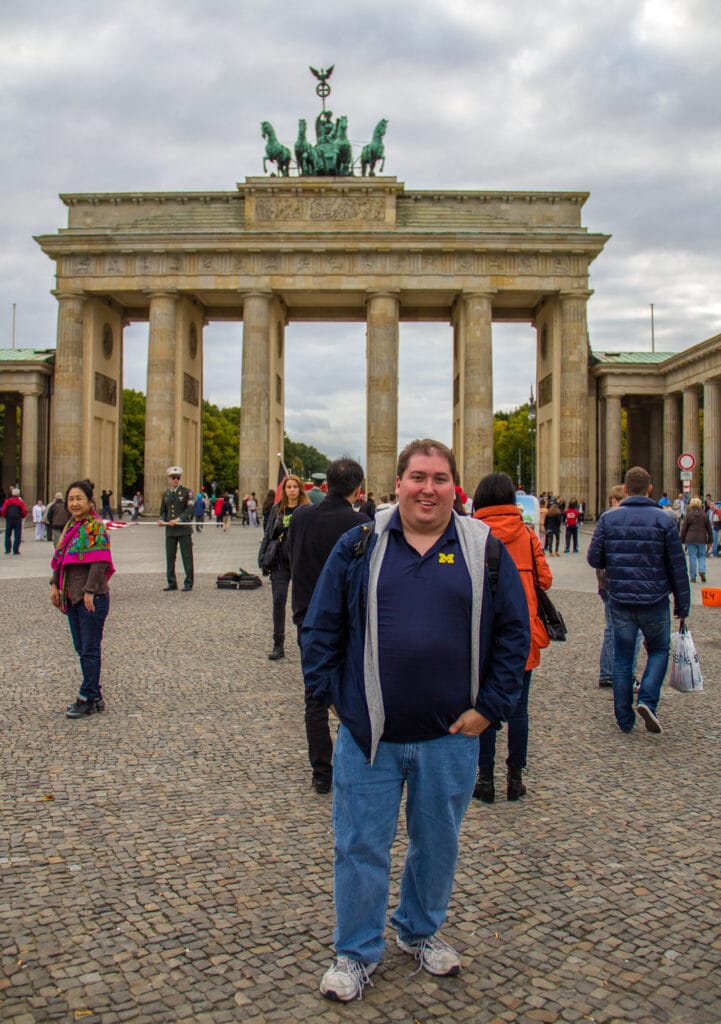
[553,527]
[495,503]
[276,529]
[82,565]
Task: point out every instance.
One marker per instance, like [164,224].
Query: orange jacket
[506,523]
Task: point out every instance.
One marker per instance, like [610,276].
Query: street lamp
[532,429]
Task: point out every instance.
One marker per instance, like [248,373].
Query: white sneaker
[345,979]
[433,954]
[649,719]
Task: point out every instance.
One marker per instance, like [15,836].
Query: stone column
[476,387]
[573,393]
[671,445]
[255,395]
[691,441]
[655,445]
[10,442]
[614,464]
[66,437]
[30,448]
[161,397]
[381,392]
[712,439]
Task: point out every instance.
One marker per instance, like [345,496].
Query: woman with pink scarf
[82,566]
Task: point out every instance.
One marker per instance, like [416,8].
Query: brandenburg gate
[313,248]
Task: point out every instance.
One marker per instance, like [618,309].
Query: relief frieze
[191,389]
[320,208]
[106,389]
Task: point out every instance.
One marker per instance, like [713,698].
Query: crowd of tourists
[389,597]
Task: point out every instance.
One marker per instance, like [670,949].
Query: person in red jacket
[14,511]
[571,519]
[495,503]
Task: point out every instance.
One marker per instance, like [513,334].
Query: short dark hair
[344,476]
[494,489]
[425,446]
[86,486]
[638,480]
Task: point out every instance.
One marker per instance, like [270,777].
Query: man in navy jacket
[638,545]
[408,641]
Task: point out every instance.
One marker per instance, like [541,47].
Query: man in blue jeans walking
[638,546]
[406,640]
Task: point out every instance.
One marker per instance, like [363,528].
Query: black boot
[484,788]
[277,651]
[516,788]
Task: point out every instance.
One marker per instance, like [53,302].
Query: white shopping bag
[685,675]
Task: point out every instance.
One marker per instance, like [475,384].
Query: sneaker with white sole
[345,979]
[433,954]
[649,719]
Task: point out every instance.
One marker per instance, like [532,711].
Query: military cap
[174,471]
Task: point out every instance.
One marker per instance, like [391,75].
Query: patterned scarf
[82,541]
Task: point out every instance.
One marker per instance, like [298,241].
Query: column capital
[163,293]
[576,293]
[383,293]
[256,293]
[67,293]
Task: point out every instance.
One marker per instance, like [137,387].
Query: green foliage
[221,440]
[513,438]
[303,459]
[133,440]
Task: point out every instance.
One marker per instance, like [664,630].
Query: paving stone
[182,871]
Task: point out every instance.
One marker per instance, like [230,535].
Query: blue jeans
[517,734]
[439,775]
[696,556]
[13,535]
[605,668]
[86,629]
[571,536]
[654,621]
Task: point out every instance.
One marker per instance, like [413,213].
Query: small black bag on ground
[240,580]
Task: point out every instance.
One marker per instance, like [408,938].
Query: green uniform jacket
[177,503]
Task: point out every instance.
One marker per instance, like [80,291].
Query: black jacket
[314,530]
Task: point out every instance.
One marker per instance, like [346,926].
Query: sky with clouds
[617,98]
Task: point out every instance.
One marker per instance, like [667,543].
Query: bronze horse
[275,151]
[374,151]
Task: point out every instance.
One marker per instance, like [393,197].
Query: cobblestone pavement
[167,861]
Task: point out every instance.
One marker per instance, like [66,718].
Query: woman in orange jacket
[495,503]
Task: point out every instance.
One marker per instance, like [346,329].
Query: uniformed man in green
[176,515]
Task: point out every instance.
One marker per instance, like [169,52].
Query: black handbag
[268,553]
[547,611]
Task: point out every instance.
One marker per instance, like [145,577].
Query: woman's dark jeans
[517,735]
[279,583]
[86,629]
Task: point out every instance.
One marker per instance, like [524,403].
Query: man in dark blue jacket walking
[638,545]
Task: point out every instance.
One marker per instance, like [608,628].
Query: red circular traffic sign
[686,461]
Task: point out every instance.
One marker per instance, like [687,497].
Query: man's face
[173,480]
[425,493]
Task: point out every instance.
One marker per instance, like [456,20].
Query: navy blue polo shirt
[424,615]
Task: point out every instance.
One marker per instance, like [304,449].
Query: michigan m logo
[445,559]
